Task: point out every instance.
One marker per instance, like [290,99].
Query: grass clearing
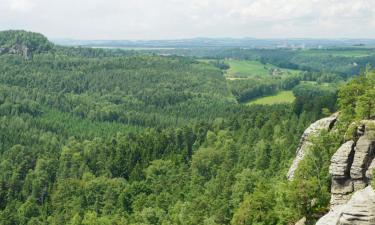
[280,98]
[239,68]
[337,53]
[247,68]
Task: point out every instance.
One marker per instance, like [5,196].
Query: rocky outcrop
[305,142]
[17,49]
[364,153]
[352,200]
[351,166]
[369,173]
[342,161]
[360,210]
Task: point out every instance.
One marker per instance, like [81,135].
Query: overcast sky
[168,19]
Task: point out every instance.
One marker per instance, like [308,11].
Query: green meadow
[247,68]
[280,98]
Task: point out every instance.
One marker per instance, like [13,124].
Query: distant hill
[23,43]
[218,43]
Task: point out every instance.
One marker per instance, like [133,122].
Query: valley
[179,136]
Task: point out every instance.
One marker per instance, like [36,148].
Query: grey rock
[18,49]
[364,153]
[331,218]
[352,200]
[370,170]
[360,130]
[359,184]
[342,186]
[360,210]
[338,200]
[305,142]
[342,160]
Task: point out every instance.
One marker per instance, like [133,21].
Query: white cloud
[21,5]
[150,19]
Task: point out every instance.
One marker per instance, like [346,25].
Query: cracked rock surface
[352,199]
[359,210]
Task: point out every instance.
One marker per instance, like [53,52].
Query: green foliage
[251,88]
[104,137]
[35,42]
[356,99]
[244,69]
[280,98]
[313,182]
[314,98]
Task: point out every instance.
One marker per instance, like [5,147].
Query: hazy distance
[176,19]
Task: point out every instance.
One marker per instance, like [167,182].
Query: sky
[175,19]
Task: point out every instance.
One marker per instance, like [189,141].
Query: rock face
[342,161]
[364,153]
[360,210]
[352,200]
[305,142]
[352,165]
[17,49]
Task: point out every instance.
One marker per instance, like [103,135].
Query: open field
[245,68]
[242,68]
[338,53]
[280,98]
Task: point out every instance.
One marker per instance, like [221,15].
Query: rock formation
[352,200]
[301,221]
[17,49]
[360,210]
[305,142]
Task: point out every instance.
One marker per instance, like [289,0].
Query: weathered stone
[301,221]
[331,218]
[339,200]
[370,170]
[360,130]
[359,184]
[18,49]
[351,170]
[342,160]
[362,158]
[360,210]
[305,142]
[342,187]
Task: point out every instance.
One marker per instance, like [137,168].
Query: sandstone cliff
[352,199]
[305,142]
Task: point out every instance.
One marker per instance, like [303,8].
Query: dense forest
[93,136]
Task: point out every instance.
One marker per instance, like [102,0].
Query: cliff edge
[352,197]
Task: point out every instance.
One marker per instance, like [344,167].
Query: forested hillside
[344,61]
[109,137]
